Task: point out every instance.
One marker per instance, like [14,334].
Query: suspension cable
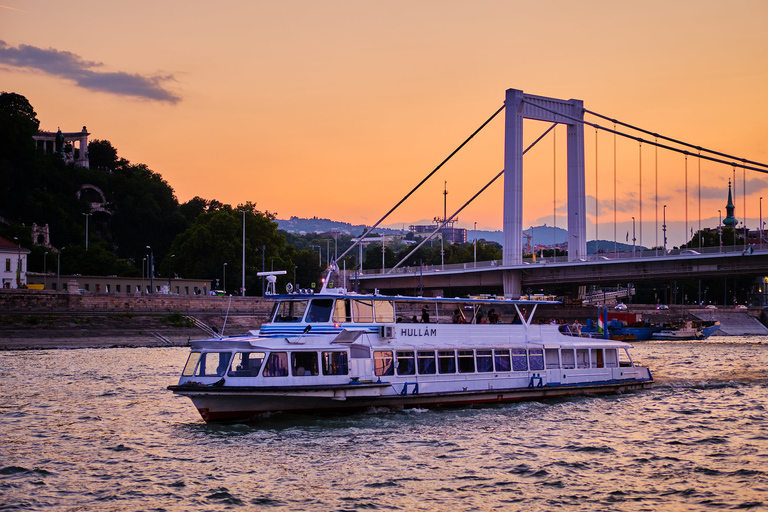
[359,240]
[614,121]
[466,204]
[736,162]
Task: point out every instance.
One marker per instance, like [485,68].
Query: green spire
[730,220]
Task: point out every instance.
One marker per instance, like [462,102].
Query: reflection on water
[97,429]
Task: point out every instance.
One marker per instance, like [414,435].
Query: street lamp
[224,272]
[143,264]
[720,228]
[45,271]
[475,244]
[151,270]
[664,228]
[761,222]
[243,285]
[169,272]
[58,269]
[18,264]
[86,229]
[633,237]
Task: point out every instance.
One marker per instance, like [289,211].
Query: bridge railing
[600,257]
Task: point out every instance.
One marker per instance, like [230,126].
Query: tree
[102,155]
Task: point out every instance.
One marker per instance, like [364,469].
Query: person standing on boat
[424,315]
[576,328]
[493,318]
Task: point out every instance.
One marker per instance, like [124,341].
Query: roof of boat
[343,294]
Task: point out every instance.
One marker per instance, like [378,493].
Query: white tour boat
[338,351]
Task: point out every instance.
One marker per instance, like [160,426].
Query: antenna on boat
[271,280]
[225,317]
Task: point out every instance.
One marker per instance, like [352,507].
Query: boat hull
[241,404]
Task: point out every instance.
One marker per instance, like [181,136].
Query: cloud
[86,74]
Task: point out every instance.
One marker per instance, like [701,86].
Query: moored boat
[336,351]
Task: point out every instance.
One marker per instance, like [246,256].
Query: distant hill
[543,235]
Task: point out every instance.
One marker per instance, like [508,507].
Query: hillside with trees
[140,218]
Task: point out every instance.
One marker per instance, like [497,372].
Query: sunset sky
[336,109]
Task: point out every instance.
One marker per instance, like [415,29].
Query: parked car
[620,307]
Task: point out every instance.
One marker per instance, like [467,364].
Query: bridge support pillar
[513,283]
[520,106]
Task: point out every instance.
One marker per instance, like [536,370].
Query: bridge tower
[519,106]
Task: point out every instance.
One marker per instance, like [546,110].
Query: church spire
[730,220]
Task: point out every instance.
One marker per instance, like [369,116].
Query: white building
[13,264]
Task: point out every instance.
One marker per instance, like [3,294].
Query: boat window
[342,312]
[501,359]
[597,358]
[536,359]
[582,358]
[385,311]
[362,311]
[426,362]
[569,362]
[246,364]
[553,358]
[406,364]
[484,361]
[335,363]
[290,311]
[304,364]
[519,360]
[320,310]
[382,363]
[466,361]
[611,359]
[276,365]
[189,368]
[446,361]
[359,352]
[213,364]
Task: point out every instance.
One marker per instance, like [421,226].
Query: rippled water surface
[97,430]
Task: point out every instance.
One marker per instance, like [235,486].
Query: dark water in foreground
[97,430]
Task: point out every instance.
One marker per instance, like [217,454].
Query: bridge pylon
[520,106]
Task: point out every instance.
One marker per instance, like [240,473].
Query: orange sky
[336,109]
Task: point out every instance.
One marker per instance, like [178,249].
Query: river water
[97,430]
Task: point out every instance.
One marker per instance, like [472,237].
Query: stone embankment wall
[26,301]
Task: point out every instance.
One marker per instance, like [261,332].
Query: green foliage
[176,319]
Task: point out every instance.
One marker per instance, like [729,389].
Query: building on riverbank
[114,285]
[13,264]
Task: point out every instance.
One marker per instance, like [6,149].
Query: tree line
[144,222]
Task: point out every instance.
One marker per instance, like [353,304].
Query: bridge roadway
[607,269]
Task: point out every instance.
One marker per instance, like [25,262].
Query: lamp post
[169,272]
[475,244]
[720,229]
[224,272]
[58,269]
[761,222]
[143,264]
[242,289]
[151,270]
[45,267]
[18,263]
[295,269]
[86,229]
[664,228]
[633,237]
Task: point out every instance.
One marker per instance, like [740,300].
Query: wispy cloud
[86,74]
